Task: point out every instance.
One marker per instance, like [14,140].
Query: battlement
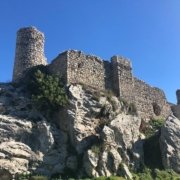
[121,61]
[78,53]
[76,67]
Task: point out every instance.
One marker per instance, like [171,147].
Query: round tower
[178,96]
[29,51]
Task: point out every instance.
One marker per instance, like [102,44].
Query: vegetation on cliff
[47,91]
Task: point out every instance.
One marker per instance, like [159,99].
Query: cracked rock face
[170,143]
[28,143]
[92,136]
[15,157]
[104,134]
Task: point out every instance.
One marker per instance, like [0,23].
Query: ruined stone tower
[29,51]
[178,96]
[123,81]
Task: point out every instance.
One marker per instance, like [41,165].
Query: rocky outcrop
[101,132]
[15,157]
[93,136]
[27,146]
[170,143]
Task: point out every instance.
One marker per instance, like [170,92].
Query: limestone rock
[17,157]
[127,138]
[125,172]
[103,165]
[114,160]
[88,121]
[108,136]
[90,163]
[40,144]
[45,136]
[126,128]
[81,120]
[170,143]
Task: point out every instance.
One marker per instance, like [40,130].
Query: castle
[76,67]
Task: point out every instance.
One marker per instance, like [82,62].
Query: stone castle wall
[178,96]
[85,69]
[59,66]
[29,51]
[122,77]
[150,101]
[75,67]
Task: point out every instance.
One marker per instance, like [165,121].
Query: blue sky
[146,31]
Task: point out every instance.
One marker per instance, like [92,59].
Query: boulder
[170,143]
[16,157]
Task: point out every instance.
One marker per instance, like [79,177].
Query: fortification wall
[123,81]
[29,51]
[85,69]
[150,102]
[76,67]
[178,96]
[59,66]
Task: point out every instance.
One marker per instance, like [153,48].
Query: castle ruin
[76,67]
[29,50]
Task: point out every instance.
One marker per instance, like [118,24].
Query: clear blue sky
[146,31]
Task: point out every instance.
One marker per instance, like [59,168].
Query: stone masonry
[29,50]
[150,101]
[115,75]
[176,108]
[178,96]
[75,67]
[123,81]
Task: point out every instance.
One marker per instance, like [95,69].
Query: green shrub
[109,178]
[166,175]
[47,91]
[150,128]
[96,149]
[26,176]
[156,124]
[115,178]
[156,174]
[38,177]
[145,174]
[23,176]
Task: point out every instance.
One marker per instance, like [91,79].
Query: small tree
[47,91]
